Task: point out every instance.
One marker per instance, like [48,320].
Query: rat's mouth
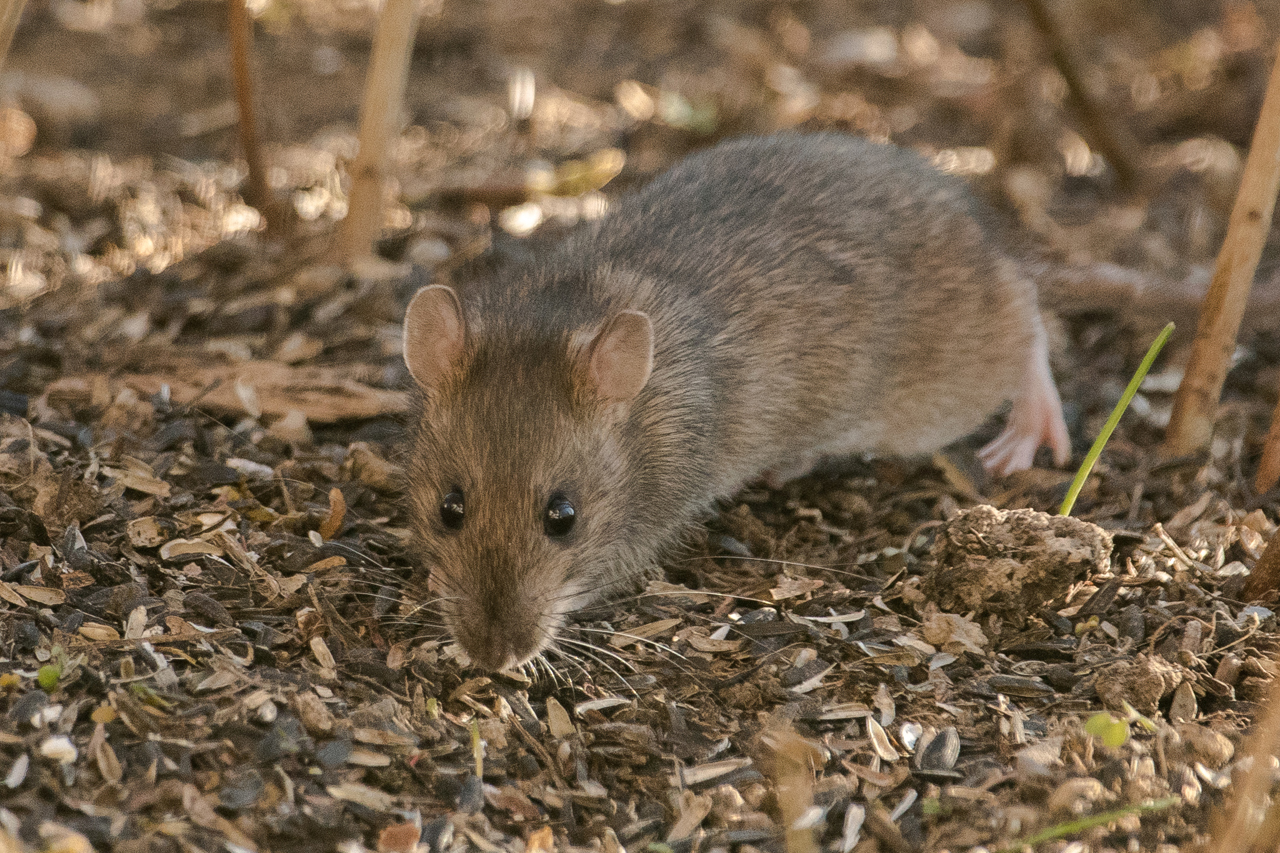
[496,645]
[511,643]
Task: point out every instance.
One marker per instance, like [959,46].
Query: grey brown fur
[809,295]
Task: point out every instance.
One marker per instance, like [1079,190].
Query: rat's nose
[497,644]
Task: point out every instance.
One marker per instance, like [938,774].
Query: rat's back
[848,298]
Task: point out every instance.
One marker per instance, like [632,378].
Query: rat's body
[764,304]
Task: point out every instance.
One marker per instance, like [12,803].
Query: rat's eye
[452,510]
[559,517]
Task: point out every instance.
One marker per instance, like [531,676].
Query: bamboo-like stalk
[1196,403]
[1252,806]
[1264,580]
[10,14]
[379,118]
[793,780]
[240,29]
[1269,468]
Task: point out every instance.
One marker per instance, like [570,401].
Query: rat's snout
[499,628]
[497,646]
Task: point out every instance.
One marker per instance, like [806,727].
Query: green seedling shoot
[1110,426]
[1075,827]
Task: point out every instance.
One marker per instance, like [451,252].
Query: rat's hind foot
[1036,419]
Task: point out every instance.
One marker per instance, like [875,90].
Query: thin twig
[1107,135]
[10,14]
[241,36]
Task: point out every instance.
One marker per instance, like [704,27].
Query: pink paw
[1036,419]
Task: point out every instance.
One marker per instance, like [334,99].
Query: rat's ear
[433,335]
[620,358]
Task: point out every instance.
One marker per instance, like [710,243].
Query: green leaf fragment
[1112,731]
[47,677]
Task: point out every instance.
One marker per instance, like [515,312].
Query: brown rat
[766,303]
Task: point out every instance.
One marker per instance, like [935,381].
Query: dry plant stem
[1264,580]
[1238,832]
[241,36]
[1109,137]
[1194,407]
[10,14]
[379,120]
[1269,467]
[794,784]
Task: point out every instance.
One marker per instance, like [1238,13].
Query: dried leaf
[139,482]
[880,741]
[622,639]
[792,587]
[323,656]
[40,594]
[558,720]
[370,798]
[368,758]
[175,548]
[98,632]
[108,764]
[698,638]
[703,773]
[148,532]
[383,737]
[10,594]
[337,511]
[399,838]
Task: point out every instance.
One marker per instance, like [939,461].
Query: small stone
[321,280]
[1077,796]
[1229,667]
[59,105]
[1184,707]
[315,716]
[1211,748]
[17,132]
[60,749]
[427,252]
[299,347]
[1038,758]
[292,429]
[241,788]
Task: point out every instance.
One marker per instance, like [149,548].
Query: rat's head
[519,481]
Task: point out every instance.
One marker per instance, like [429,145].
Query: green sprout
[1110,426]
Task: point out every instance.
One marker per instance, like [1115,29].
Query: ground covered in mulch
[212,633]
